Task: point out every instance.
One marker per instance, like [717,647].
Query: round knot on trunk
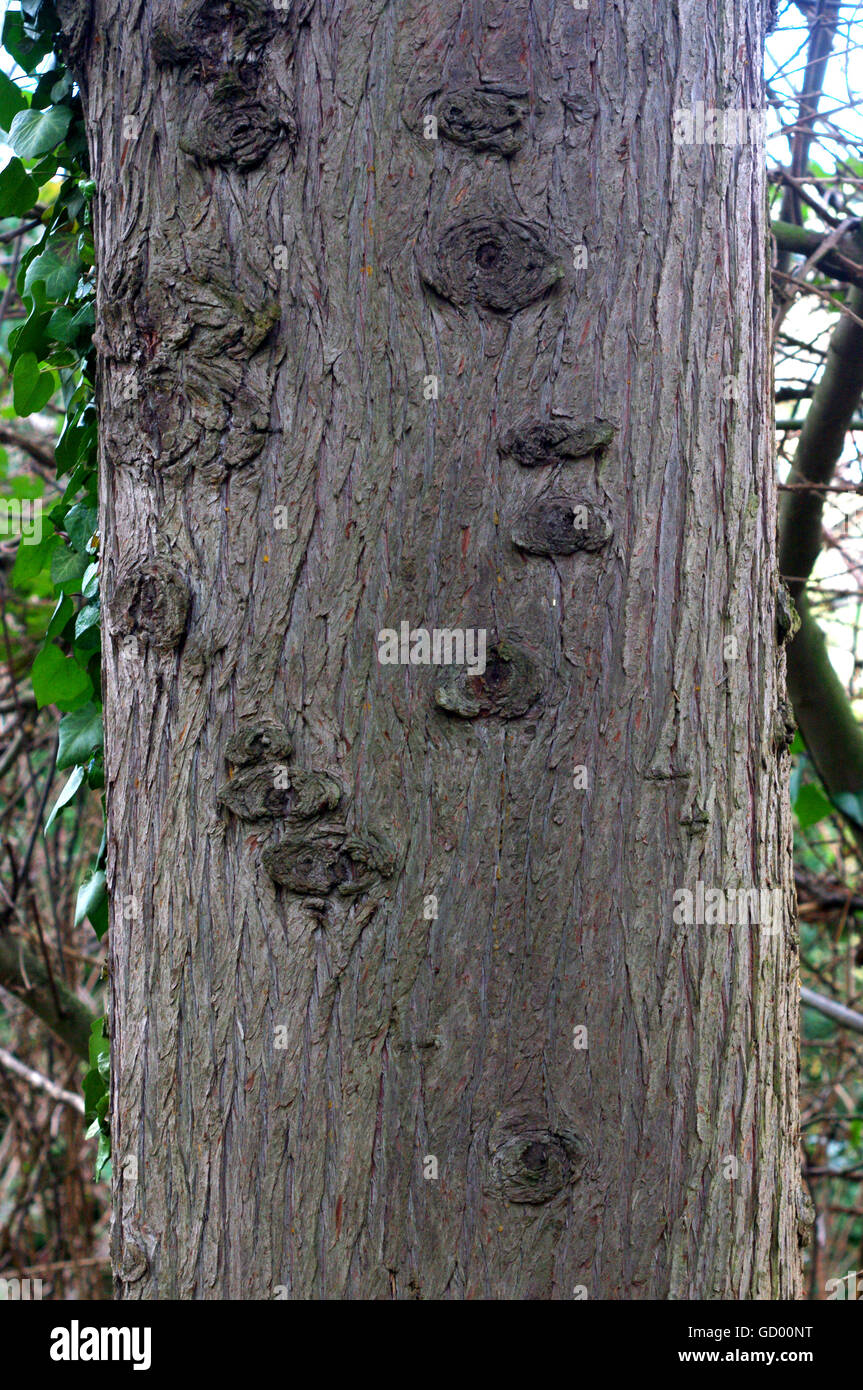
[529,1162]
[151,601]
[271,791]
[497,262]
[233,124]
[329,857]
[560,526]
[510,685]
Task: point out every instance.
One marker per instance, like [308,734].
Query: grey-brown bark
[381,944]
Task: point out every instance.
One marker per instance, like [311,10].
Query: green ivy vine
[46,201]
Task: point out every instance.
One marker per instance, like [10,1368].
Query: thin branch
[846,1018]
[40,1082]
[23,974]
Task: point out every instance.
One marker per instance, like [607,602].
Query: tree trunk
[429,314]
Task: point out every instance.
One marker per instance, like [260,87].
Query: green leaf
[45,170]
[32,388]
[27,48]
[32,559]
[90,584]
[96,774]
[63,88]
[86,619]
[811,806]
[60,617]
[32,336]
[58,268]
[67,322]
[33,133]
[12,100]
[80,736]
[19,193]
[80,526]
[67,566]
[99,1045]
[104,1171]
[59,681]
[74,442]
[93,903]
[65,796]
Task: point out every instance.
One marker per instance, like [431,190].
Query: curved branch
[821,706]
[819,448]
[834,261]
[23,974]
[846,1018]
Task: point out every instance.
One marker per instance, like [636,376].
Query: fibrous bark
[446,1040]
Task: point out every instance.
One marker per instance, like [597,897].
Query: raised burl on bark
[234,124]
[151,601]
[328,857]
[499,262]
[561,526]
[257,740]
[272,791]
[509,686]
[219,50]
[483,118]
[208,35]
[190,385]
[534,442]
[787,617]
[784,726]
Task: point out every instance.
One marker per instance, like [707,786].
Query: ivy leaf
[33,133]
[80,526]
[90,586]
[63,88]
[81,736]
[31,337]
[75,441]
[93,903]
[65,796]
[100,1048]
[32,388]
[87,619]
[60,617]
[27,48]
[57,680]
[811,806]
[19,193]
[104,1170]
[32,559]
[67,322]
[67,566]
[12,100]
[58,268]
[45,170]
[96,770]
